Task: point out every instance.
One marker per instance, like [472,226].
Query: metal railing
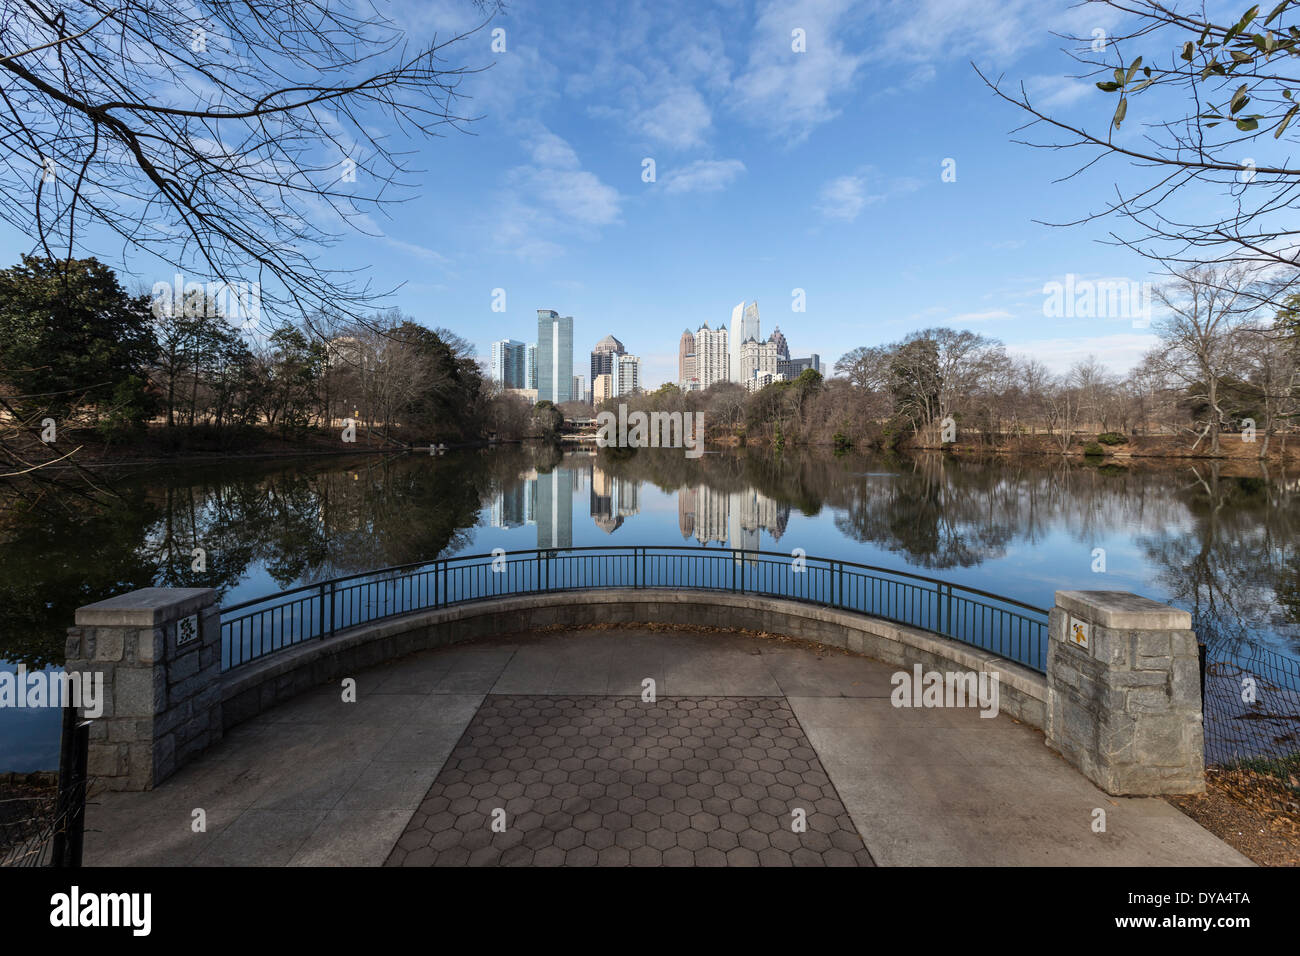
[1251,701]
[262,626]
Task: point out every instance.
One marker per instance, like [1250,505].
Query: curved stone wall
[252,688]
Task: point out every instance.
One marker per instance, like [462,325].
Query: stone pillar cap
[1123,610]
[147,607]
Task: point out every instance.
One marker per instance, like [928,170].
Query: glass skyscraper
[554,356]
[508,363]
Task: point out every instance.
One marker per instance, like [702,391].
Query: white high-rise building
[626,377]
[744,326]
[712,363]
[757,359]
[530,366]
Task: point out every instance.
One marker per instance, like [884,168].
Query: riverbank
[1232,447]
[180,445]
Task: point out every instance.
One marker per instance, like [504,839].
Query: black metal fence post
[70,807]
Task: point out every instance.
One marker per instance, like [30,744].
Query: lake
[1217,540]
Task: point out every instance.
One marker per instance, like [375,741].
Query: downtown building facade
[554,356]
[602,357]
[744,326]
[712,361]
[509,363]
[687,380]
[626,376]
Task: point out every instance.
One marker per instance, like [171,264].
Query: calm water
[1222,545]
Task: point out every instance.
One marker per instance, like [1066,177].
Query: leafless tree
[1220,181]
[1204,307]
[231,140]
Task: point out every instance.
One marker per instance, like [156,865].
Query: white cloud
[791,92]
[551,198]
[1118,352]
[844,197]
[679,120]
[703,175]
[991,315]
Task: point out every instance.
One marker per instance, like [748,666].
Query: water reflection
[1220,543]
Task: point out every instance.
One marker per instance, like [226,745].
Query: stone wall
[257,686]
[162,702]
[1124,692]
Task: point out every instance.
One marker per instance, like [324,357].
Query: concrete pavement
[318,781]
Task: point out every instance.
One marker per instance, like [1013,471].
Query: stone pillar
[1124,692]
[159,650]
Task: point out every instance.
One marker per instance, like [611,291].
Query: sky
[776,172]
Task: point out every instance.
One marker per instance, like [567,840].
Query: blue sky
[775,171]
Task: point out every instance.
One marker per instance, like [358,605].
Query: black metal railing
[262,626]
[1251,702]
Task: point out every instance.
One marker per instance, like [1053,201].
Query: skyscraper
[626,375]
[508,358]
[711,360]
[686,360]
[756,359]
[782,347]
[602,356]
[744,326]
[530,365]
[554,356]
[555,509]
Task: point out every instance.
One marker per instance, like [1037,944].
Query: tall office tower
[711,509]
[602,501]
[508,363]
[712,362]
[508,506]
[579,389]
[602,357]
[782,347]
[686,511]
[626,375]
[686,360]
[554,356]
[555,509]
[744,326]
[530,365]
[602,388]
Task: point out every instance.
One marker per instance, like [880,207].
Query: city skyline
[708,354]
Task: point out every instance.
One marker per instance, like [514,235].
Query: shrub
[1112,438]
[1093,450]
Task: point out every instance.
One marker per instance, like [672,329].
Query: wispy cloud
[703,175]
[1120,351]
[553,196]
[792,92]
[843,198]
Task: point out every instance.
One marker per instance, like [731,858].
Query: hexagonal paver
[615,781]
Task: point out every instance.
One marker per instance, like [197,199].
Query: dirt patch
[1256,814]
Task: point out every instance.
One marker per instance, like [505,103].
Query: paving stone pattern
[615,781]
